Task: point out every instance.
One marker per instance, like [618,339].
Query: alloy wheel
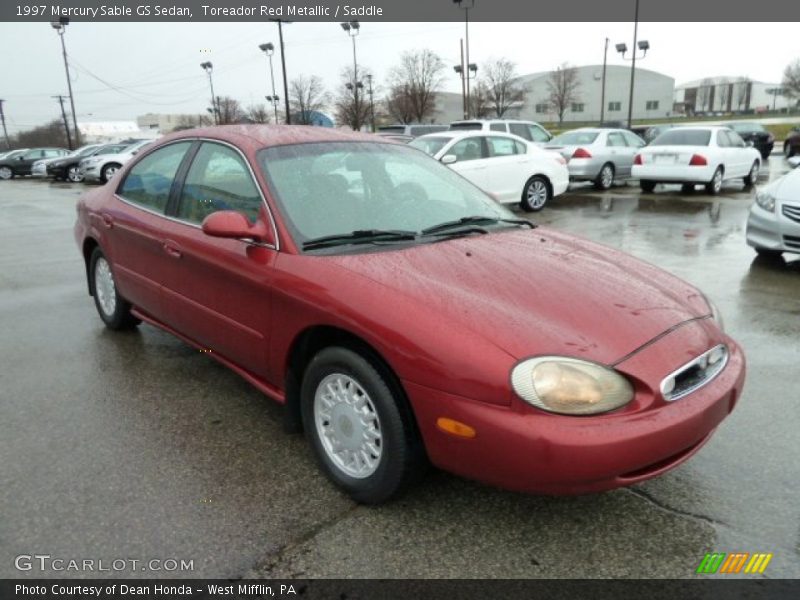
[104,287]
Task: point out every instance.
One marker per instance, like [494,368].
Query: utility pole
[283,68]
[5,131]
[64,116]
[603,92]
[371,103]
[60,27]
[633,64]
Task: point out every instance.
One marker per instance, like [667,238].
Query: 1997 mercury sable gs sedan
[403,316]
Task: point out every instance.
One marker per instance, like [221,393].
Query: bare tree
[414,82]
[49,134]
[230,111]
[258,113]
[480,105]
[791,80]
[742,91]
[307,96]
[562,87]
[503,89]
[352,102]
[398,104]
[704,93]
[192,121]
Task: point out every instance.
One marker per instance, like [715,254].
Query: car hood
[537,291]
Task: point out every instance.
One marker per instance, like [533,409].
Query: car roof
[458,134]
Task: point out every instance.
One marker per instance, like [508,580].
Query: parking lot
[135,445]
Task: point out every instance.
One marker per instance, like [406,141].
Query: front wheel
[605,178]
[109,171]
[74,174]
[752,176]
[6,173]
[647,185]
[715,185]
[536,194]
[362,437]
[113,309]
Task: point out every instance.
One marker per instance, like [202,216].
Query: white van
[527,130]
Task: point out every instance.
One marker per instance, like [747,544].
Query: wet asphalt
[136,446]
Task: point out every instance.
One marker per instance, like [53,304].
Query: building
[653,97]
[729,94]
[111,131]
[166,123]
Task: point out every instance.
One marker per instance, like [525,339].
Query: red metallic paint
[450,319]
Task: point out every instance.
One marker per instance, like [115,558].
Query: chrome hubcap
[110,172]
[348,426]
[606,177]
[5,173]
[717,180]
[104,287]
[74,174]
[537,194]
[754,173]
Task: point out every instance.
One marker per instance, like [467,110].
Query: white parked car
[696,155]
[102,167]
[504,165]
[773,226]
[527,130]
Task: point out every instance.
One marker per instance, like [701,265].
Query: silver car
[102,167]
[773,226]
[598,155]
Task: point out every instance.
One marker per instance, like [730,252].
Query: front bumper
[526,450]
[676,174]
[772,230]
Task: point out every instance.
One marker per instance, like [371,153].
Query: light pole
[280,23]
[3,120]
[269,50]
[371,104]
[274,100]
[60,26]
[603,89]
[209,68]
[466,5]
[64,116]
[352,29]
[470,73]
[622,49]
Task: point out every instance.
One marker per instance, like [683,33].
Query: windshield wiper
[470,223]
[360,236]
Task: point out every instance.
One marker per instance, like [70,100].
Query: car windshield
[747,127]
[429,145]
[345,188]
[574,138]
[683,137]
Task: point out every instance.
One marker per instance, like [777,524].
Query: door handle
[172,250]
[108,222]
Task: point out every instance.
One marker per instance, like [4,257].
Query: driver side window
[468,149]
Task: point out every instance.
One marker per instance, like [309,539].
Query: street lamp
[209,68]
[471,73]
[60,26]
[269,50]
[274,100]
[280,23]
[644,46]
[466,5]
[353,28]
[603,87]
[371,103]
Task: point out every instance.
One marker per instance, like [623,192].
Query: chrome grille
[694,374]
[792,212]
[792,241]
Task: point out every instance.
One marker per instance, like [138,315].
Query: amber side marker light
[455,428]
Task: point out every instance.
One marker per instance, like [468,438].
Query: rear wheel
[113,309]
[715,185]
[752,176]
[6,173]
[536,194]
[647,185]
[362,437]
[605,178]
[74,175]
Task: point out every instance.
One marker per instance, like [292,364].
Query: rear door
[621,154]
[505,170]
[741,157]
[216,291]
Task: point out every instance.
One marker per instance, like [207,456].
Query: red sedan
[402,316]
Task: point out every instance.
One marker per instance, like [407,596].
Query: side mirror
[232,224]
[794,162]
[449,159]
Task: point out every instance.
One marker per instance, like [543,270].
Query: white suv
[527,130]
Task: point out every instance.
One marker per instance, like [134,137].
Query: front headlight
[765,200]
[570,386]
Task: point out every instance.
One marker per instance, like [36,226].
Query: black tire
[687,188]
[647,185]
[109,171]
[752,176]
[769,254]
[715,185]
[536,194]
[603,181]
[6,173]
[765,155]
[120,317]
[788,150]
[401,456]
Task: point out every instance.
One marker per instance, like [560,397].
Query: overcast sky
[154,67]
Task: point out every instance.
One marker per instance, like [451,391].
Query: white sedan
[696,155]
[508,167]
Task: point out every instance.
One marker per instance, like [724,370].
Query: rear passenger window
[501,146]
[538,134]
[218,179]
[149,182]
[521,129]
[498,127]
[722,139]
